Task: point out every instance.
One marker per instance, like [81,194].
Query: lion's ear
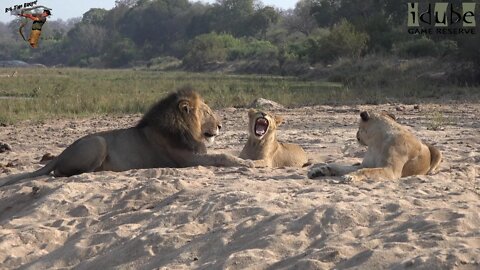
[185,106]
[251,113]
[278,120]
[365,116]
[391,115]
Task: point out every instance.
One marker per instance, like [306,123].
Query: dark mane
[165,118]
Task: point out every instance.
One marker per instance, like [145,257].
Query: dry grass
[38,94]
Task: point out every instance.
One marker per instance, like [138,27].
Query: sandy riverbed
[239,218]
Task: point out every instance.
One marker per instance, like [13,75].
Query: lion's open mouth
[261,126]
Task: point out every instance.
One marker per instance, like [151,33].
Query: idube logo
[441,18]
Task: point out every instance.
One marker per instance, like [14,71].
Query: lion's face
[202,121]
[372,124]
[210,124]
[261,124]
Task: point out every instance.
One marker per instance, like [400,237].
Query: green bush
[424,47]
[321,50]
[163,63]
[421,47]
[294,67]
[253,48]
[343,41]
[208,48]
[447,47]
[299,50]
[348,40]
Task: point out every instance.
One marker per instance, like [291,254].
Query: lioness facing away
[171,134]
[393,152]
[263,147]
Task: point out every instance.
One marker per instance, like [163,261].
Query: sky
[66,9]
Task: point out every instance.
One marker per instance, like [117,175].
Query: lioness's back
[291,155]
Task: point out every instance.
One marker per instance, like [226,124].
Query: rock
[4,147]
[261,103]
[12,164]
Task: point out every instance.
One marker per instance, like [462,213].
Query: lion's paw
[232,161]
[260,163]
[324,170]
[248,163]
[251,164]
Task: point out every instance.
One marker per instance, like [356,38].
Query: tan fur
[266,150]
[393,152]
[170,134]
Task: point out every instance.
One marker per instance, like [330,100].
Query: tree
[301,18]
[9,44]
[159,22]
[200,20]
[232,16]
[261,20]
[94,16]
[324,12]
[87,39]
[120,53]
[125,3]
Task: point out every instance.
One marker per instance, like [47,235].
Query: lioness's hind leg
[435,158]
[85,155]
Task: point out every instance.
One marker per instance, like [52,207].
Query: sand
[243,218]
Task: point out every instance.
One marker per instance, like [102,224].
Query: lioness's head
[184,117]
[262,124]
[372,125]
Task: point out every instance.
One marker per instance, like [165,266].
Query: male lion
[263,147]
[170,134]
[393,152]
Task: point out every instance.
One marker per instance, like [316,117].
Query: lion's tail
[435,158]
[9,180]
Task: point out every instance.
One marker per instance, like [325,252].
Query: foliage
[416,48]
[423,47]
[121,52]
[208,48]
[263,38]
[253,49]
[159,22]
[343,41]
[163,63]
[301,18]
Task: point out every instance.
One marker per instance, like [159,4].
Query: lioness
[263,147]
[393,152]
[170,134]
